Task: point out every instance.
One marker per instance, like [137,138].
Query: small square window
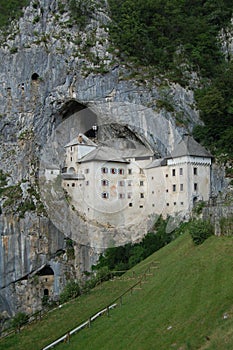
[153,205]
[181,187]
[153,192]
[141,171]
[129,195]
[152,178]
[167,204]
[129,182]
[166,175]
[182,203]
[105,195]
[121,183]
[141,195]
[121,171]
[173,172]
[140,206]
[130,204]
[104,182]
[104,170]
[121,196]
[167,190]
[194,171]
[174,203]
[113,171]
[141,183]
[73,184]
[130,171]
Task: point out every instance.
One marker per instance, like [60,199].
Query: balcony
[68,176]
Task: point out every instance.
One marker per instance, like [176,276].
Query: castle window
[71,159]
[87,183]
[113,171]
[141,195]
[166,175]
[141,171]
[130,204]
[35,76]
[141,183]
[174,188]
[71,148]
[152,178]
[130,171]
[121,195]
[121,171]
[182,203]
[153,205]
[181,187]
[104,170]
[153,192]
[104,182]
[194,171]
[195,186]
[73,184]
[129,182]
[105,195]
[140,206]
[166,190]
[121,183]
[174,203]
[181,171]
[86,171]
[173,172]
[129,195]
[68,185]
[46,292]
[167,204]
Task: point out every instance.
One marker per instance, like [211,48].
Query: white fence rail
[84,324]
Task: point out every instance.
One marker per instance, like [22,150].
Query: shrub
[70,291]
[200,230]
[19,320]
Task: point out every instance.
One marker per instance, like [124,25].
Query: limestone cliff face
[55,79]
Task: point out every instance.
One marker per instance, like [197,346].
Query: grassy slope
[190,292]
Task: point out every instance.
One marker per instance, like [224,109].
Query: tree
[19,320]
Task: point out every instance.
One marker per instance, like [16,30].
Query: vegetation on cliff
[11,9]
[178,36]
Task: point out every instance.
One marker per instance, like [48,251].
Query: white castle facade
[119,182]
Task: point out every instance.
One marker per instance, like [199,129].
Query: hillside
[185,304]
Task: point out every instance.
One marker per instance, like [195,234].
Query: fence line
[106,309]
[84,324]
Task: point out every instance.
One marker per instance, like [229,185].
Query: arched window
[35,77]
[46,292]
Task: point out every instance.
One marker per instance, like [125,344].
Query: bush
[70,291]
[200,230]
[19,320]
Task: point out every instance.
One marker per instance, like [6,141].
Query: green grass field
[180,306]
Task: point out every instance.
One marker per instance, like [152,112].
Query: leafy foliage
[70,291]
[158,31]
[19,320]
[10,9]
[216,105]
[200,230]
[125,257]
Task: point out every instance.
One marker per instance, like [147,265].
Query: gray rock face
[49,72]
